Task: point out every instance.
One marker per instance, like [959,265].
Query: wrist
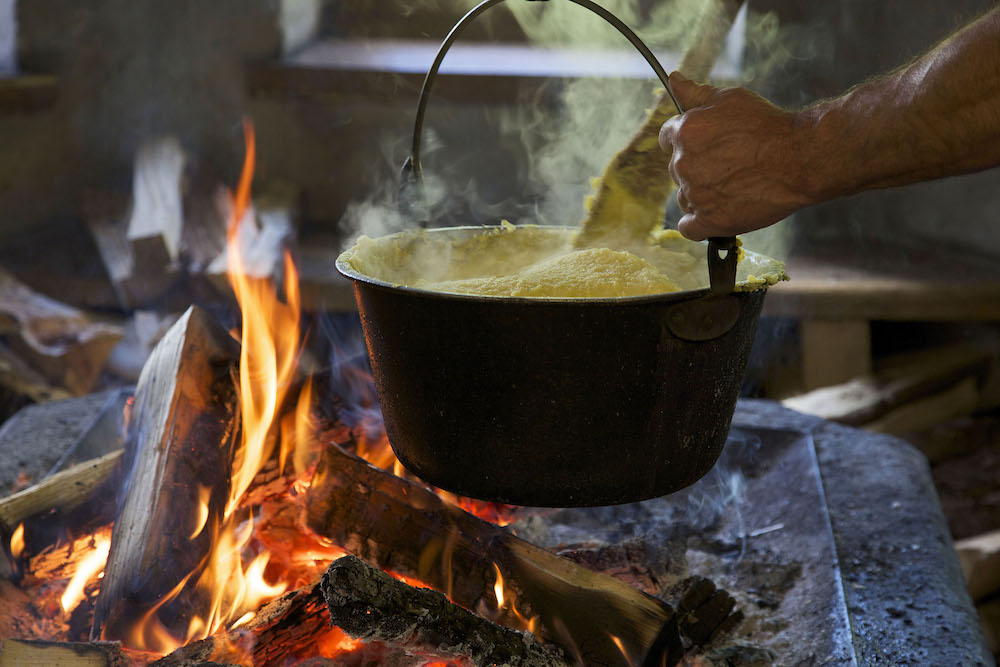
[822,150]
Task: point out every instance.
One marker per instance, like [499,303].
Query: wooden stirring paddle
[633,190]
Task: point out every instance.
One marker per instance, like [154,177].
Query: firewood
[157,216]
[980,560]
[63,491]
[899,381]
[105,215]
[370,605]
[61,342]
[25,653]
[179,440]
[402,527]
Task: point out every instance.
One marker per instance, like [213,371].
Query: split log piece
[157,217]
[179,441]
[29,653]
[105,215]
[900,380]
[63,491]
[980,560]
[402,527]
[369,605]
[61,342]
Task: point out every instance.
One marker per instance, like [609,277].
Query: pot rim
[667,297]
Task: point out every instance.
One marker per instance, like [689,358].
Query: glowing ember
[17,541]
[88,570]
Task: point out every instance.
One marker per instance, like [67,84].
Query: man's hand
[740,162]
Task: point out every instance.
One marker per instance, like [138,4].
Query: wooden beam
[179,442]
[402,527]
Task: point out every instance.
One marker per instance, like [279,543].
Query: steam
[559,148]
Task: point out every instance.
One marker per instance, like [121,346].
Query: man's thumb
[688,93]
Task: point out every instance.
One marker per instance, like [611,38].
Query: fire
[91,567]
[621,647]
[17,541]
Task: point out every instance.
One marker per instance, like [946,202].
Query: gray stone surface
[34,439]
[904,589]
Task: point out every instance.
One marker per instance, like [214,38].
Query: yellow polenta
[542,262]
[593,273]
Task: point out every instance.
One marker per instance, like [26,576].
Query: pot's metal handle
[722,272]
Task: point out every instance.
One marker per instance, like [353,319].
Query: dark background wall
[131,69]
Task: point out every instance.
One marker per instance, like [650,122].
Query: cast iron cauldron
[557,402]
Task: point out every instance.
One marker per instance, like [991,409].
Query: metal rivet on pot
[677,317]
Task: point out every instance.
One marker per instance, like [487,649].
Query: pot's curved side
[551,403]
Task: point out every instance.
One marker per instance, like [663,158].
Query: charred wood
[179,442]
[370,605]
[402,527]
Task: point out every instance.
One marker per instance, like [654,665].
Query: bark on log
[402,527]
[980,560]
[59,341]
[370,605]
[179,440]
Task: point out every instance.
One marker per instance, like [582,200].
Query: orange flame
[621,647]
[17,541]
[89,568]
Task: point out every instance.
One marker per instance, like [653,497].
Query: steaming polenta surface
[542,262]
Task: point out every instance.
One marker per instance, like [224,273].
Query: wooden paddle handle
[709,38]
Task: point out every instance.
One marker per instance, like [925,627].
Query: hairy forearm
[938,116]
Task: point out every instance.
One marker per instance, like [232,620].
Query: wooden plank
[63,491]
[179,441]
[957,401]
[901,379]
[28,92]
[903,281]
[834,352]
[404,528]
[980,560]
[29,653]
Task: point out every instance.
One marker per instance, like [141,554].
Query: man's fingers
[667,133]
[692,228]
[683,202]
[688,93]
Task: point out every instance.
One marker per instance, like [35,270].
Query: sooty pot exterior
[551,403]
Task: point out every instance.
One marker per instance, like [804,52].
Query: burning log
[24,653]
[178,446]
[370,605]
[57,340]
[63,491]
[404,528]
